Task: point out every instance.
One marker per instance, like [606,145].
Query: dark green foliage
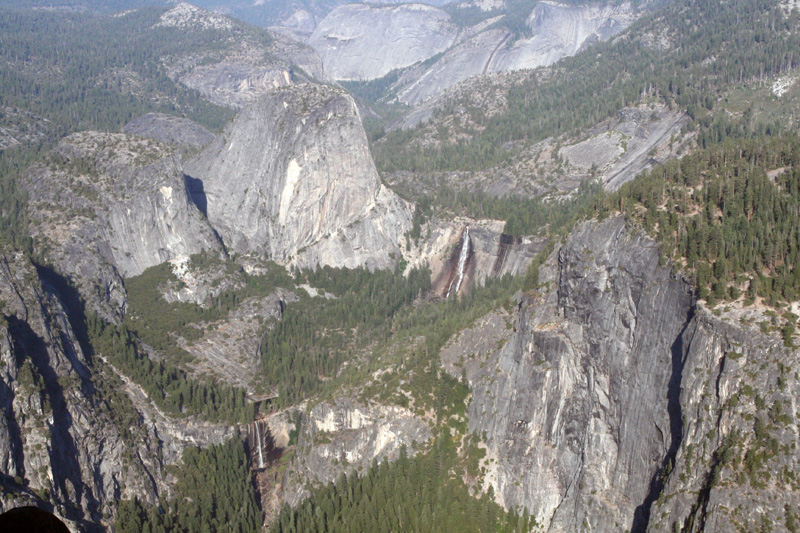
[531,281]
[13,200]
[790,518]
[157,321]
[468,15]
[89,71]
[516,16]
[714,45]
[372,90]
[423,493]
[722,216]
[316,336]
[422,331]
[112,399]
[214,493]
[422,212]
[787,333]
[523,215]
[320,346]
[169,387]
[297,421]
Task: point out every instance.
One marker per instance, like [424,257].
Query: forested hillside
[102,76]
[683,56]
[214,491]
[423,493]
[728,216]
[636,372]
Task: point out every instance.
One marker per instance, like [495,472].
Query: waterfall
[258,440]
[462,261]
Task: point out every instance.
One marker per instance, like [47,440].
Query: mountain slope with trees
[684,55]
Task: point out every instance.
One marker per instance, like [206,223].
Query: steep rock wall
[363,42]
[556,30]
[560,31]
[347,435]
[617,402]
[65,444]
[574,405]
[58,445]
[490,254]
[111,206]
[291,178]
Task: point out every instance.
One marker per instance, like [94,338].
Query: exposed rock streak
[462,261]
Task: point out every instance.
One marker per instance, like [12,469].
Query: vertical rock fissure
[680,346]
[701,505]
[64,454]
[15,446]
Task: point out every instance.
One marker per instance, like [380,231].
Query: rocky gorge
[618,402]
[264,285]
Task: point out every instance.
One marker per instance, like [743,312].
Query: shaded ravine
[679,349]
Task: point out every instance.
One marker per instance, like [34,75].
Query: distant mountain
[467,296]
[100,6]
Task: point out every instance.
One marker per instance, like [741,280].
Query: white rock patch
[782,85]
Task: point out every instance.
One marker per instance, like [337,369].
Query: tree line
[214,493]
[712,46]
[166,384]
[316,336]
[423,493]
[90,71]
[729,215]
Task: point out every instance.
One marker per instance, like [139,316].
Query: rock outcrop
[291,178]
[243,63]
[556,30]
[735,468]
[189,17]
[363,42]
[169,129]
[617,150]
[58,445]
[466,252]
[230,349]
[110,206]
[18,127]
[559,31]
[75,437]
[616,398]
[612,152]
[469,58]
[344,436]
[575,406]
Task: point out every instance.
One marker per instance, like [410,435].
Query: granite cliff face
[559,31]
[292,179]
[58,445]
[169,129]
[613,151]
[112,205]
[242,64]
[556,31]
[575,406]
[363,42]
[75,437]
[346,436]
[466,252]
[617,402]
[465,60]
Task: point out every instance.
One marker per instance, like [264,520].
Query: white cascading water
[258,439]
[462,261]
